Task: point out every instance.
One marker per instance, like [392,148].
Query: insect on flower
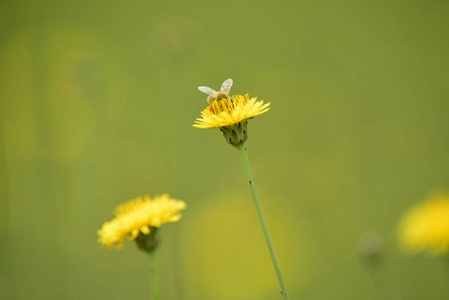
[214,95]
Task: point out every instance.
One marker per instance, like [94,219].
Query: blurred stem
[155,280]
[249,175]
[385,280]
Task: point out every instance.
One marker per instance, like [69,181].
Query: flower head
[139,216]
[426,226]
[230,111]
[231,115]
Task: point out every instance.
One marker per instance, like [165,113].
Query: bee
[216,96]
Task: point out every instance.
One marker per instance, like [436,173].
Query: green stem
[249,175]
[155,280]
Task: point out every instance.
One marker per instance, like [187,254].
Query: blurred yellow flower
[139,216]
[227,112]
[426,226]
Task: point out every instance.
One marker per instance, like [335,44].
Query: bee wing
[208,91]
[226,86]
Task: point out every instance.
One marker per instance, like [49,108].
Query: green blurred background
[97,99]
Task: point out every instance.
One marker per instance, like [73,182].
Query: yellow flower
[426,226]
[139,216]
[227,112]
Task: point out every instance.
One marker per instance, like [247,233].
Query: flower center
[221,105]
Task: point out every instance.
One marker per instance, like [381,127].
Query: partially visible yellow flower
[426,226]
[227,112]
[138,216]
